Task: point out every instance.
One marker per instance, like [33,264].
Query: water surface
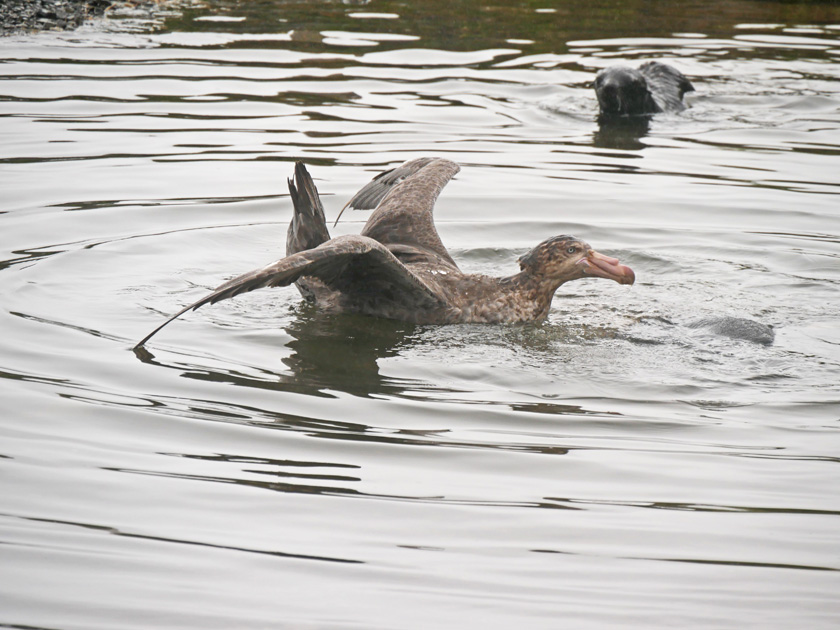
[266,465]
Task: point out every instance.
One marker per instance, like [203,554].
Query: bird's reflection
[342,351]
[330,352]
[621,132]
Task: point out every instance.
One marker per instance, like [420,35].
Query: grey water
[264,465]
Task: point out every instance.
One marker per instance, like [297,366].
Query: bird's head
[622,91]
[564,258]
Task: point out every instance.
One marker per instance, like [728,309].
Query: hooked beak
[601,266]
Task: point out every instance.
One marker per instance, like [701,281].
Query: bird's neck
[529,288]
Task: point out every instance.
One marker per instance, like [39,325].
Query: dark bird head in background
[624,91]
[652,88]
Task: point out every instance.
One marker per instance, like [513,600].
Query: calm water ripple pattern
[266,465]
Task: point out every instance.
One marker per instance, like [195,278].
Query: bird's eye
[572,249]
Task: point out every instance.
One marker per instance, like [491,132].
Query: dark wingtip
[347,205]
[142,342]
[142,353]
[296,183]
[191,307]
[301,175]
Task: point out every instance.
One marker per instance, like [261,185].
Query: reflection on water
[621,133]
[263,463]
[344,350]
[327,352]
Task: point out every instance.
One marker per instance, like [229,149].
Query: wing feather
[405,215]
[374,191]
[308,227]
[341,263]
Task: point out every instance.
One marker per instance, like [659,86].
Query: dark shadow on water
[342,351]
[330,353]
[621,132]
[275,481]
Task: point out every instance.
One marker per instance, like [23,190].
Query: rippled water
[265,465]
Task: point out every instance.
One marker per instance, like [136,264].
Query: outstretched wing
[352,265]
[405,198]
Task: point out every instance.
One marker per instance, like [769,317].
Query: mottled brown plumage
[398,267]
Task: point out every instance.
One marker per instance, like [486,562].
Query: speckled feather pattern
[398,268]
